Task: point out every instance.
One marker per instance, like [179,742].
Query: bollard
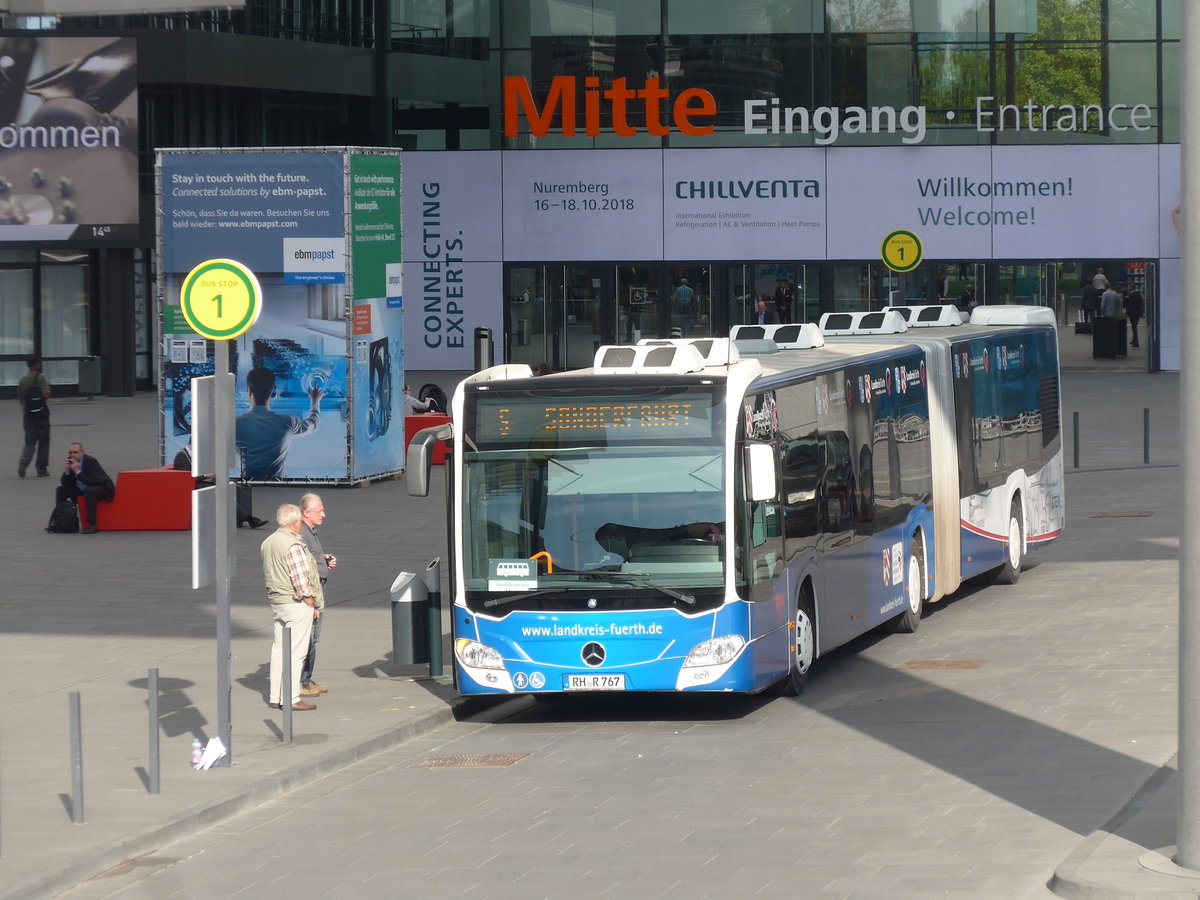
[76,716]
[1146,435]
[483,349]
[1076,416]
[433,585]
[285,685]
[410,620]
[154,763]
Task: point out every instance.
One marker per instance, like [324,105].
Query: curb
[1139,881]
[95,862]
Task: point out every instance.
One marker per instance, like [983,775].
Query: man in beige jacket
[294,591]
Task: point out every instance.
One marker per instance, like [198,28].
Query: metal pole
[152,704]
[285,685]
[433,585]
[1188,838]
[1146,435]
[1075,416]
[76,717]
[223,412]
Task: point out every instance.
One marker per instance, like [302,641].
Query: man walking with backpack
[33,390]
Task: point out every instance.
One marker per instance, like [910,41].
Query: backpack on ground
[64,519]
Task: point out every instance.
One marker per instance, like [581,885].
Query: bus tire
[803,646]
[1010,570]
[914,588]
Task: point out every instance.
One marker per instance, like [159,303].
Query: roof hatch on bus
[714,351]
[883,322]
[661,359]
[1012,314]
[935,316]
[785,337]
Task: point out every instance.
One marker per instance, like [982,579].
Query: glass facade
[1046,63]
[433,75]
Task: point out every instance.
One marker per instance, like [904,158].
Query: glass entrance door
[637,303]
[1031,284]
[531,326]
[580,320]
[691,302]
[961,279]
[740,295]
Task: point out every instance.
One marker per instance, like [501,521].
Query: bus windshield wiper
[641,580]
[513,598]
[636,578]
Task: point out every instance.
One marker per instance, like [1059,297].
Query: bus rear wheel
[803,646]
[914,588]
[1010,570]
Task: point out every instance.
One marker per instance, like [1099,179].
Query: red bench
[147,500]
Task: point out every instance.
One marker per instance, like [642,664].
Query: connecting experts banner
[319,374]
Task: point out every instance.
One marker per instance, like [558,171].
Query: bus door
[759,555]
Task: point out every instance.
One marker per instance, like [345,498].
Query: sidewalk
[94,613]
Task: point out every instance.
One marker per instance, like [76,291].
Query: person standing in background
[1110,304]
[783,301]
[1135,308]
[312,515]
[33,390]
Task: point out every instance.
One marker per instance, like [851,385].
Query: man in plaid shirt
[294,591]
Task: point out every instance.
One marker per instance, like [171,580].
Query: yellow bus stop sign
[901,251]
[220,299]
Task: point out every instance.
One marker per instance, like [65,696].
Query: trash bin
[89,376]
[1108,338]
[410,620]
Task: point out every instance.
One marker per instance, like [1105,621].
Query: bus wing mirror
[419,459]
[760,472]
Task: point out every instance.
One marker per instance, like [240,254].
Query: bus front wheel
[1010,570]
[803,646]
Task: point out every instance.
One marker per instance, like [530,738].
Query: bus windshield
[615,498]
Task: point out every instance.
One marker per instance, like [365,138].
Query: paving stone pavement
[93,613]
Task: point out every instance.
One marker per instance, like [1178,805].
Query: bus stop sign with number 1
[220,299]
[901,251]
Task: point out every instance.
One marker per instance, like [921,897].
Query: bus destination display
[593,419]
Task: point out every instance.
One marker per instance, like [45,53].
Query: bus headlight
[719,651]
[476,655]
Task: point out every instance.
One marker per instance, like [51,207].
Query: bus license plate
[593,682]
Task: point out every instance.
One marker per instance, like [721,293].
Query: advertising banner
[580,204]
[378,315]
[729,204]
[315,374]
[914,191]
[68,139]
[454,219]
[248,203]
[762,205]
[1064,202]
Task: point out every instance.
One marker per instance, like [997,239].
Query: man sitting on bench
[83,476]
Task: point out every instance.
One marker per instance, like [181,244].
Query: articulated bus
[713,515]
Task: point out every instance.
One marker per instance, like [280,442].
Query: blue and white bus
[715,514]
